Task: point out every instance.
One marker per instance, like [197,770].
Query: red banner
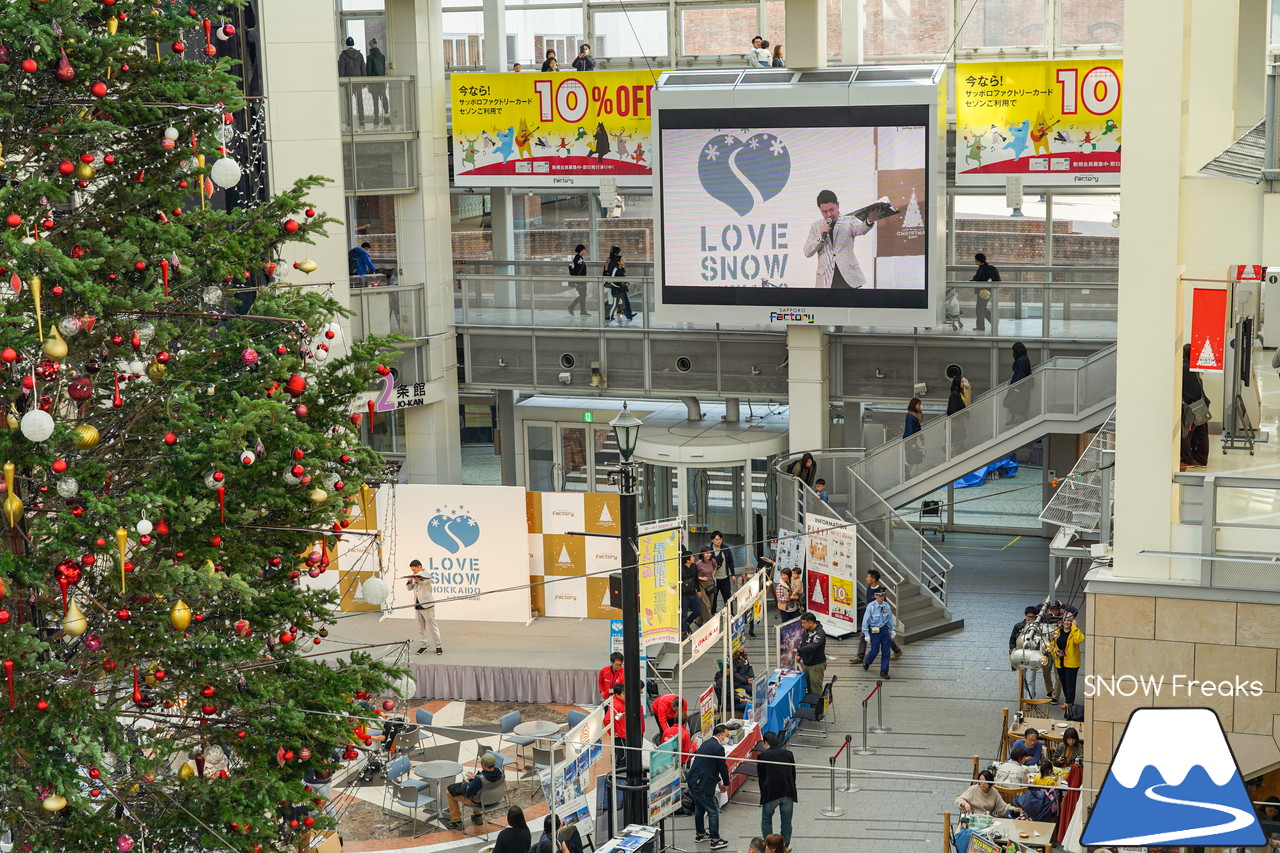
[1250,272]
[1208,329]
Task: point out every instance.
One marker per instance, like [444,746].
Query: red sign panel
[1250,272]
[1208,329]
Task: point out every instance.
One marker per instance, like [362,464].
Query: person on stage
[831,239]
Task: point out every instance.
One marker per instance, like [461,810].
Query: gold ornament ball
[54,803]
[85,437]
[156,371]
[85,172]
[186,771]
[317,496]
[307,266]
[74,623]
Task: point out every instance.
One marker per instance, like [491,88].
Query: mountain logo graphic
[453,529]
[1173,780]
[742,173]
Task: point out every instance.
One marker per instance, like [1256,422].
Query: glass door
[717,498]
[575,475]
[540,457]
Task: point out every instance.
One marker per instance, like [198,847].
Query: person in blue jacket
[878,629]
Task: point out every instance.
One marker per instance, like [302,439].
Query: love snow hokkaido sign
[471,540]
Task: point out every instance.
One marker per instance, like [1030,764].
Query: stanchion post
[881,728]
[834,810]
[865,750]
[849,787]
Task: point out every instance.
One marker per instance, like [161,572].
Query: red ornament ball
[178,47]
[123,614]
[110,159]
[66,167]
[291,226]
[42,705]
[9,355]
[77,511]
[139,265]
[13,220]
[170,439]
[310,211]
[29,66]
[286,638]
[59,465]
[99,89]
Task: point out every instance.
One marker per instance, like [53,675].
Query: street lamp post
[635,800]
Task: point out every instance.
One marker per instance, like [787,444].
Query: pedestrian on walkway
[813,651]
[777,774]
[424,607]
[724,566]
[578,269]
[708,771]
[878,629]
[985,272]
[873,584]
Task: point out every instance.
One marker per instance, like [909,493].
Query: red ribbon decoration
[164,274]
[222,503]
[137,691]
[8,675]
[371,405]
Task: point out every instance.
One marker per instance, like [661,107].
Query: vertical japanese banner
[1208,329]
[1056,122]
[707,706]
[659,572]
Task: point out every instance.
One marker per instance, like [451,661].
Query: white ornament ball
[136,366]
[68,487]
[290,479]
[225,172]
[320,355]
[376,591]
[248,457]
[145,331]
[171,133]
[406,687]
[144,527]
[37,425]
[70,326]
[212,483]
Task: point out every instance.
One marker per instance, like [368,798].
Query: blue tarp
[1005,467]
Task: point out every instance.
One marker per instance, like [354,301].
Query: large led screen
[822,206]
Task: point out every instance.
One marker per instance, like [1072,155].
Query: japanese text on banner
[659,570]
[1056,122]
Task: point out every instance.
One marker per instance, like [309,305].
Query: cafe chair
[948,839]
[576,717]
[508,723]
[490,797]
[423,719]
[1038,708]
[501,761]
[413,798]
[398,777]
[1009,794]
[748,770]
[1002,750]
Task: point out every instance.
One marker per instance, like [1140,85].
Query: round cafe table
[438,771]
[540,729]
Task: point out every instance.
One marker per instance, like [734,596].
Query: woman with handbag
[1194,452]
[707,567]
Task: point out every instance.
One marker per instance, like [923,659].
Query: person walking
[878,628]
[584,61]
[707,568]
[777,775]
[621,291]
[708,770]
[351,64]
[1066,655]
[578,269]
[424,607]
[376,66]
[1194,451]
[1018,398]
[690,597]
[873,586]
[813,651]
[724,566]
[914,450]
[986,272]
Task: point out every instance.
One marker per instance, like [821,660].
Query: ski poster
[1051,122]
[553,129]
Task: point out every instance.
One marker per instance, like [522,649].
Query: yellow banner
[659,579]
[553,129]
[1049,122]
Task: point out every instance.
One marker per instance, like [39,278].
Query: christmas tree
[175,437]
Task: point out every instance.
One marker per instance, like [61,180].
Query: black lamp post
[635,800]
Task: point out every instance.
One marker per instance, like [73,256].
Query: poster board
[664,795]
[1051,122]
[831,559]
[707,710]
[789,636]
[569,572]
[464,537]
[659,564]
[553,129]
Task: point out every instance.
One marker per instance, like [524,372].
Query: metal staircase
[1067,395]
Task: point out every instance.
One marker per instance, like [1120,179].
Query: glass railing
[1041,301]
[1059,389]
[1238,517]
[388,310]
[378,105]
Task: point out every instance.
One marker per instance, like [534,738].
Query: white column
[852,22]
[1251,58]
[807,387]
[300,77]
[806,39]
[423,242]
[500,202]
[1149,310]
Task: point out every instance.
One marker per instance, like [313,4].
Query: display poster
[1051,121]
[659,559]
[788,551]
[469,539]
[819,206]
[707,706]
[831,556]
[664,795]
[789,637]
[583,747]
[552,129]
[1208,329]
[569,572]
[343,564]
[615,636]
[705,637]
[663,758]
[738,634]
[760,699]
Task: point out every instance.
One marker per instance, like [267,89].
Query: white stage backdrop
[471,539]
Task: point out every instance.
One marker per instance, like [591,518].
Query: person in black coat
[708,768]
[986,272]
[1018,398]
[1195,439]
[813,651]
[578,268]
[546,63]
[515,837]
[777,772]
